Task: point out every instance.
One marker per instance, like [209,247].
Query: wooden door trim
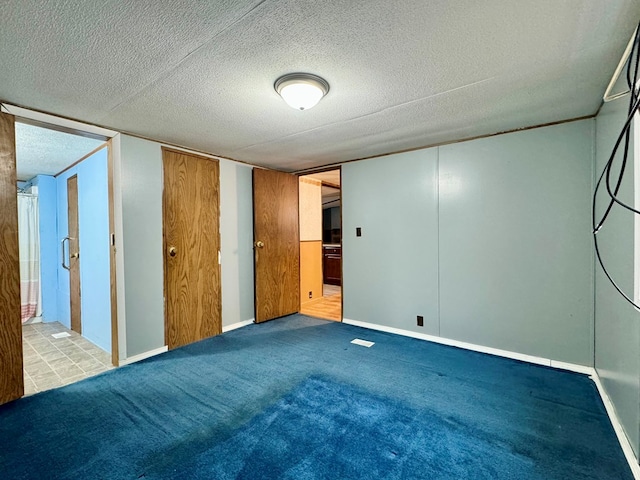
[341,252]
[92,152]
[74,267]
[11,370]
[115,351]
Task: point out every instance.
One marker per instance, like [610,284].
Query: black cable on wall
[634,106]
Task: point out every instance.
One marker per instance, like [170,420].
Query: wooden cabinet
[332,265]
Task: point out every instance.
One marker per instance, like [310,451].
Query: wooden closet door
[191,235]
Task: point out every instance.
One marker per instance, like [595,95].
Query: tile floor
[53,362]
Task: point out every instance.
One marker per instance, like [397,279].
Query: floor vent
[363,343]
[61,335]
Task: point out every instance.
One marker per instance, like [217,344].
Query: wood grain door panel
[191,236]
[11,375]
[276,244]
[74,254]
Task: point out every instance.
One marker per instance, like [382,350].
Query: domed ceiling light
[301,90]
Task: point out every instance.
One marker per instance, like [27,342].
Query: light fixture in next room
[301,90]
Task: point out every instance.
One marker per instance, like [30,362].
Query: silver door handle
[64,257]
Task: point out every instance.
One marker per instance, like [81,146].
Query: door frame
[113,238]
[15,383]
[11,361]
[75,284]
[329,169]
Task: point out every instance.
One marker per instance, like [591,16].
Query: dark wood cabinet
[332,265]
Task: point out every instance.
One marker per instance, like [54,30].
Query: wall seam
[438,232]
[594,132]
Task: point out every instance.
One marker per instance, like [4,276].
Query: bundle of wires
[625,134]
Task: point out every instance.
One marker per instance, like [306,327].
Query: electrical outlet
[310,294]
[420,321]
[358,231]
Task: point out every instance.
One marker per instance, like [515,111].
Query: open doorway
[65,264]
[321,245]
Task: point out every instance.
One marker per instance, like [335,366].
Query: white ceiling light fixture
[301,91]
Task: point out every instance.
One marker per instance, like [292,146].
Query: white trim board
[235,326]
[142,356]
[59,121]
[158,351]
[593,374]
[573,367]
[617,426]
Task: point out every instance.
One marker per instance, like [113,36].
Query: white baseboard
[157,351]
[617,426]
[593,374]
[142,356]
[476,348]
[237,325]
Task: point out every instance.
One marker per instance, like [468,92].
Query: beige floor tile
[38,370]
[32,360]
[74,379]
[45,348]
[29,387]
[90,364]
[48,384]
[60,362]
[53,355]
[69,371]
[104,357]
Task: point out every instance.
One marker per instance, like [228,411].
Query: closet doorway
[321,245]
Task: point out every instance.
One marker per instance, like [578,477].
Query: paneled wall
[488,240]
[390,273]
[310,198]
[617,328]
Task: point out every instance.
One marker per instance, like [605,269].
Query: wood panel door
[276,244]
[191,236]
[11,376]
[74,254]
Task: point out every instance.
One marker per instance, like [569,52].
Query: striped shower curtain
[29,237]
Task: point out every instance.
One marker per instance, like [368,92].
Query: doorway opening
[64,228]
[321,245]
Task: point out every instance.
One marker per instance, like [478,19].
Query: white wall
[141,184]
[489,240]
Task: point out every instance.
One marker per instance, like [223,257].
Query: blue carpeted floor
[293,399]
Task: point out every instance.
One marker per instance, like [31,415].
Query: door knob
[172,251]
[259,244]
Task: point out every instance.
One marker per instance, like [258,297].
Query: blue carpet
[293,399]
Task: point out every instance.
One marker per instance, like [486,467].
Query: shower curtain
[29,238]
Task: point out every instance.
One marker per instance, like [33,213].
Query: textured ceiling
[402,74]
[48,152]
